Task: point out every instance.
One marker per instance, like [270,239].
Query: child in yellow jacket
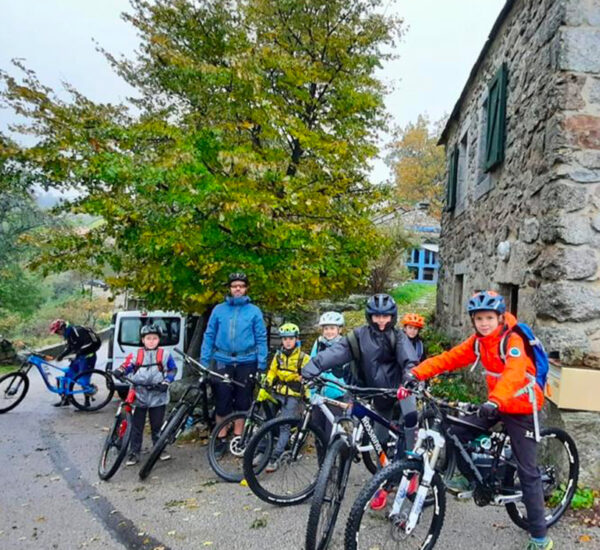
[285,378]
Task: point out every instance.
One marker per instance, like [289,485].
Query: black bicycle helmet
[382,304]
[238,276]
[150,329]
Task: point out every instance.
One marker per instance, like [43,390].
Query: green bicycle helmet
[290,330]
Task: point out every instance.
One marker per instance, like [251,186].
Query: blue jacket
[329,390]
[236,333]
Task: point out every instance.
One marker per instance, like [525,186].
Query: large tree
[419,164]
[247,147]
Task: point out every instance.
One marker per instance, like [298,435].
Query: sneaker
[132,460]
[258,458]
[164,456]
[64,402]
[220,447]
[272,466]
[459,484]
[540,544]
[379,501]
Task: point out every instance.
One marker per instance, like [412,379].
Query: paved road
[51,497]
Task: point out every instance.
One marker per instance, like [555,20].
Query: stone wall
[534,222]
[531,227]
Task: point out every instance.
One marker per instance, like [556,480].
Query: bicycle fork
[425,483]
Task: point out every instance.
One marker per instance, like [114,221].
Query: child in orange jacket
[508,399]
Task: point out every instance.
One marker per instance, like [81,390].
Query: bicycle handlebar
[459,406]
[355,390]
[137,384]
[199,366]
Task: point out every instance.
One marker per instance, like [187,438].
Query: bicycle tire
[122,434]
[516,514]
[334,473]
[105,399]
[268,432]
[167,435]
[235,445]
[14,375]
[389,476]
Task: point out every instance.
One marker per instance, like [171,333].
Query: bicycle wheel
[92,390]
[116,445]
[168,434]
[297,468]
[13,388]
[558,462]
[328,495]
[229,465]
[367,528]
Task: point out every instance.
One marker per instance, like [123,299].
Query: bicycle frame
[65,380]
[361,413]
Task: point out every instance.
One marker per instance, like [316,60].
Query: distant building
[421,261]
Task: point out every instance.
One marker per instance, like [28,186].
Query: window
[462,170]
[452,180]
[429,274]
[129,331]
[496,120]
[459,281]
[482,141]
[422,265]
[511,296]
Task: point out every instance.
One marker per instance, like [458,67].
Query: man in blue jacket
[236,339]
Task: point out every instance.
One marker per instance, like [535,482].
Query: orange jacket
[501,389]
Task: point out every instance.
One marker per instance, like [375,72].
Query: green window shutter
[452,180]
[496,120]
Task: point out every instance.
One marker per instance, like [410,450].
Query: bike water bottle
[189,423]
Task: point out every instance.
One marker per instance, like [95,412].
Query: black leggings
[156,415]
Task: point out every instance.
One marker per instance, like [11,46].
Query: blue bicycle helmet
[486,300]
[382,304]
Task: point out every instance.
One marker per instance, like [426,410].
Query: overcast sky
[55,37]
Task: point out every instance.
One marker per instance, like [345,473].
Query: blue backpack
[534,349]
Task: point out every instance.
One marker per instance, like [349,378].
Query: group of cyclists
[375,355]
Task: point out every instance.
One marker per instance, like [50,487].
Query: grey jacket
[380,366]
[150,373]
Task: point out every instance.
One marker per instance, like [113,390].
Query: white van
[125,337]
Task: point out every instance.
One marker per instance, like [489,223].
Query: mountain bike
[88,390]
[117,441]
[341,453]
[196,395]
[299,465]
[228,464]
[406,522]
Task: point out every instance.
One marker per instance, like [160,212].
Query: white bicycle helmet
[332,318]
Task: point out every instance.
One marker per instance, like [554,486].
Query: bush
[454,387]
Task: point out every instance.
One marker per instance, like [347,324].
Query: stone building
[522,210]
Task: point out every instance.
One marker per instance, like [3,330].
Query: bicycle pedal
[464,495]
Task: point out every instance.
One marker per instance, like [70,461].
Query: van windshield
[129,330]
